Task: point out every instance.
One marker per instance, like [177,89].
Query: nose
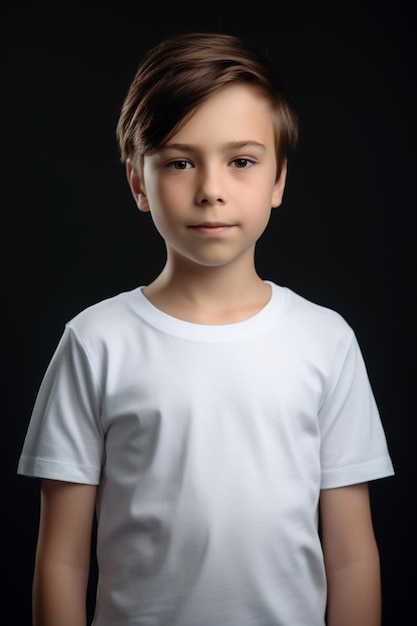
[210,189]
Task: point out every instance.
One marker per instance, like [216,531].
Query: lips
[211,225]
[211,228]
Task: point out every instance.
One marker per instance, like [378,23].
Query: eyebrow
[231,145]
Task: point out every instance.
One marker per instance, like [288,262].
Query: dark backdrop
[344,236]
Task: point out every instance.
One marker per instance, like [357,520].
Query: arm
[351,557]
[63,554]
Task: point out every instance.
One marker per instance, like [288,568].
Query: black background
[344,236]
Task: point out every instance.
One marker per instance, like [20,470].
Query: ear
[136,186]
[279,187]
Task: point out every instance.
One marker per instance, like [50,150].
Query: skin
[63,554]
[219,168]
[210,193]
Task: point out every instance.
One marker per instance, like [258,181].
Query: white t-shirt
[210,445]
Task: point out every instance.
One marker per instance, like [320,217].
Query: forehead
[235,113]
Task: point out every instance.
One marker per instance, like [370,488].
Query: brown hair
[183,71]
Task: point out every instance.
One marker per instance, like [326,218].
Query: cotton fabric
[210,445]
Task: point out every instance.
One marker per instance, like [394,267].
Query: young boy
[212,420]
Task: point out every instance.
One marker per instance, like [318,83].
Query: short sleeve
[64,440]
[353,443]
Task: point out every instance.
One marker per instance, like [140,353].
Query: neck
[208,295]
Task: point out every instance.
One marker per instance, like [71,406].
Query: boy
[211,418]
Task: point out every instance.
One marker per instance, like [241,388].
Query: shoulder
[313,317]
[319,334]
[106,317]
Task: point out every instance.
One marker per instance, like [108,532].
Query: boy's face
[211,187]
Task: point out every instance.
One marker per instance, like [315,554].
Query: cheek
[258,208]
[259,195]
[165,204]
[168,192]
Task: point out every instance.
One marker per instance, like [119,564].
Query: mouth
[212,227]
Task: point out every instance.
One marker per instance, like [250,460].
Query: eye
[242,163]
[180,164]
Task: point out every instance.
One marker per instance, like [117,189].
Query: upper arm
[66,520]
[346,525]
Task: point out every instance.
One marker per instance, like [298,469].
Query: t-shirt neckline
[211,332]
